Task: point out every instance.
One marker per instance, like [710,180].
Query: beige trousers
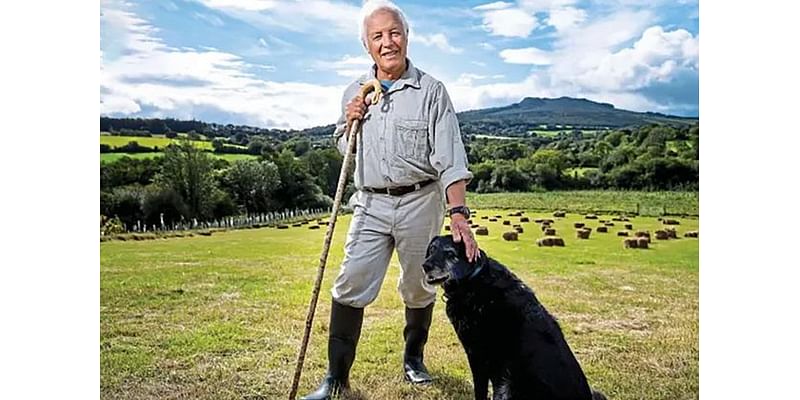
[382,223]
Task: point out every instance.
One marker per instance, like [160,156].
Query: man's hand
[356,109]
[461,231]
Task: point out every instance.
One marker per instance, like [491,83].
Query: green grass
[161,142]
[222,317]
[111,157]
[580,170]
[650,203]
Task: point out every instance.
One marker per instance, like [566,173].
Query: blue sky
[285,63]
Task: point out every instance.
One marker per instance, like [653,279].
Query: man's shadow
[449,388]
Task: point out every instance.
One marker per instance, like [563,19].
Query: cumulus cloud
[142,76]
[348,66]
[438,40]
[529,55]
[509,22]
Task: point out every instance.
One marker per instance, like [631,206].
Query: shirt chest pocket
[411,141]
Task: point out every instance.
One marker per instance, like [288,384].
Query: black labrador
[509,337]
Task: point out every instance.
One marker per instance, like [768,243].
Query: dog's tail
[598,395]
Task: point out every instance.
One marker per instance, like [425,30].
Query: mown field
[160,142]
[221,317]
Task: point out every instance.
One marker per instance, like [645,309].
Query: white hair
[371,7]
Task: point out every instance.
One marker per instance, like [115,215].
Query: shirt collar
[409,78]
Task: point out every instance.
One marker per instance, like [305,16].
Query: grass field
[161,142]
[221,317]
[650,203]
[111,157]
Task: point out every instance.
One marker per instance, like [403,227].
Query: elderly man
[409,161]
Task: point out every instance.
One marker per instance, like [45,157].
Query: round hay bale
[524,219]
[474,226]
[609,224]
[550,231]
[297,224]
[642,242]
[662,235]
[622,233]
[602,229]
[547,221]
[560,214]
[305,222]
[498,216]
[537,220]
[506,222]
[591,216]
[630,243]
[323,223]
[511,236]
[519,229]
[557,241]
[643,234]
[671,222]
[582,233]
[544,242]
[692,234]
[492,219]
[617,219]
[673,234]
[282,226]
[602,221]
[485,217]
[579,225]
[482,231]
[629,227]
[516,226]
[313,227]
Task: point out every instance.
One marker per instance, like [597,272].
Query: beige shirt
[411,136]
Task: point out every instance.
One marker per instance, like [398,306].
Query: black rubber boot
[418,322]
[345,329]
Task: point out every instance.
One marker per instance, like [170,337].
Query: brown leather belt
[399,190]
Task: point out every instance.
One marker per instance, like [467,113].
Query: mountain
[577,113]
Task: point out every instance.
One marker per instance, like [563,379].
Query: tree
[251,183]
[189,172]
[326,164]
[297,188]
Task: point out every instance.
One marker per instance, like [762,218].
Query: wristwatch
[463,210]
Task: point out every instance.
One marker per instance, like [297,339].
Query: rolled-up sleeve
[448,156]
[340,134]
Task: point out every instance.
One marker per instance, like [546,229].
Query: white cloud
[211,19]
[293,15]
[509,22]
[348,66]
[478,63]
[529,55]
[144,77]
[438,40]
[566,18]
[497,5]
[486,46]
[543,5]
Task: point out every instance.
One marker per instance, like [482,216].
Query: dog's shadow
[446,387]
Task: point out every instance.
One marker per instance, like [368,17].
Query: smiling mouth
[435,280]
[390,54]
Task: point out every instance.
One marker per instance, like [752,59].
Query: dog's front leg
[480,375]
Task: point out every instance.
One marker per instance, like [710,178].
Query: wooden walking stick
[323,258]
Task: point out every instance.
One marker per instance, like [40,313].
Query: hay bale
[692,234]
[671,222]
[629,227]
[297,224]
[482,231]
[579,225]
[582,233]
[282,226]
[559,242]
[622,233]
[673,234]
[602,229]
[537,220]
[515,214]
[560,214]
[630,243]
[506,222]
[322,223]
[546,241]
[602,221]
[591,216]
[642,242]
[492,219]
[474,226]
[550,231]
[609,224]
[313,227]
[516,226]
[485,217]
[547,221]
[498,216]
[519,229]
[304,222]
[643,234]
[511,236]
[662,235]
[524,219]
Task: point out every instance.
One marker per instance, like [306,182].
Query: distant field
[111,157]
[650,203]
[222,317]
[551,134]
[580,170]
[161,142]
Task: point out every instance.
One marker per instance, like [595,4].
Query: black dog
[509,337]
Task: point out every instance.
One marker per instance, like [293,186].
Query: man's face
[387,42]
